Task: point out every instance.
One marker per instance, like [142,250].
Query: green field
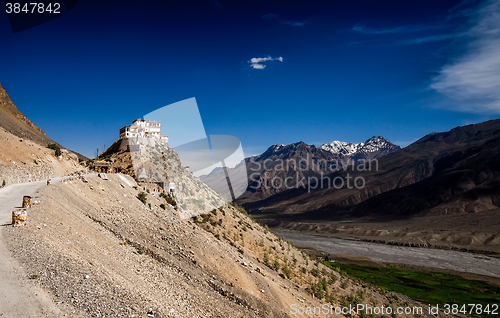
[427,287]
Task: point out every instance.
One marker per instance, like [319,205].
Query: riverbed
[428,257]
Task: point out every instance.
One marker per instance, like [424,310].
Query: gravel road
[437,258]
[18,297]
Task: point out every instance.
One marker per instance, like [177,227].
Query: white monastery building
[143,128]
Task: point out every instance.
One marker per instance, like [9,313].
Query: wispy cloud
[275,17]
[258,63]
[406,29]
[395,30]
[473,80]
[432,38]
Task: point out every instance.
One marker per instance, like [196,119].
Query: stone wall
[13,175]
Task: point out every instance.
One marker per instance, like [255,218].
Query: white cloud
[260,59]
[258,62]
[258,66]
[474,79]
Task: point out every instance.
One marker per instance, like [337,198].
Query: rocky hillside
[101,252]
[25,156]
[161,163]
[22,160]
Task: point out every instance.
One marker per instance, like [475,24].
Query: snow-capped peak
[341,147]
[373,144]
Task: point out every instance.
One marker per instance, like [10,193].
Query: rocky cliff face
[161,164]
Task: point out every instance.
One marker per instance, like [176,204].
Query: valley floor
[471,232]
[425,257]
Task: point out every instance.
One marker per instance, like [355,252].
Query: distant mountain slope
[466,179]
[450,172]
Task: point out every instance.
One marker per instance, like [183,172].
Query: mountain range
[375,147]
[296,162]
[442,173]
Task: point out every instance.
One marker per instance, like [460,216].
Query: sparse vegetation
[425,286]
[56,148]
[169,199]
[327,283]
[142,197]
[34,276]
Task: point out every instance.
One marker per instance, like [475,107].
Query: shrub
[3,183]
[142,197]
[56,148]
[315,272]
[162,206]
[287,272]
[266,229]
[34,276]
[266,259]
[170,199]
[332,279]
[276,265]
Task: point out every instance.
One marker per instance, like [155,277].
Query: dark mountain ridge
[451,172]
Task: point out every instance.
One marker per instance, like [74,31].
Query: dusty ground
[104,253]
[100,252]
[19,152]
[19,297]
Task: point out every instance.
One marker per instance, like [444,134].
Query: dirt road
[19,297]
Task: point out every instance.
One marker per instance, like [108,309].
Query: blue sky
[266,72]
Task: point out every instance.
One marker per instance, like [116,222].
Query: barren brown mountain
[451,172]
[16,123]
